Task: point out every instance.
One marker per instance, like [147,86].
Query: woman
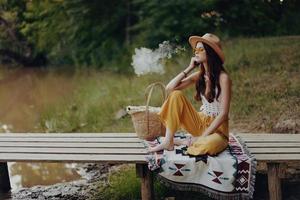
[209,128]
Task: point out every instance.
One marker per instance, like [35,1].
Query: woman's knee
[217,147]
[176,93]
[214,144]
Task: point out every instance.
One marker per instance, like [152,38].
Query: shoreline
[93,175]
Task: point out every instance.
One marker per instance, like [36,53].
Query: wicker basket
[145,119]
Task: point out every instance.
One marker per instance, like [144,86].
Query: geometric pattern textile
[228,175]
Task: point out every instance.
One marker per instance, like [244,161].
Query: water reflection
[24,94]
[5,128]
[31,174]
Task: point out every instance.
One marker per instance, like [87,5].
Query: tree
[104,33]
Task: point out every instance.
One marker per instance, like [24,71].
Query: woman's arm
[181,81]
[184,83]
[225,84]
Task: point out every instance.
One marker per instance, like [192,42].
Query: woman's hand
[195,62]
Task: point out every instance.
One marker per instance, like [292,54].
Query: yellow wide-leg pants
[177,112]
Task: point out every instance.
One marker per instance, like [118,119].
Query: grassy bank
[118,188]
[266,90]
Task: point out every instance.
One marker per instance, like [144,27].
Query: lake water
[24,94]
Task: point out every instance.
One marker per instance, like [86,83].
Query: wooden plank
[82,140]
[96,150]
[277,157]
[274,182]
[244,135]
[73,144]
[262,156]
[278,136]
[268,140]
[139,144]
[267,134]
[73,150]
[275,150]
[21,157]
[270,145]
[73,135]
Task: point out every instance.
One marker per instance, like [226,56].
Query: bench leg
[4,178]
[274,182]
[146,176]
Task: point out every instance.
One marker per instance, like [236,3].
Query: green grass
[266,89]
[264,71]
[266,86]
[124,185]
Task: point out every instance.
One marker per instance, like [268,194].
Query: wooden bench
[112,148]
[273,149]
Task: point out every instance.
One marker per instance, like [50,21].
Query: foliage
[79,32]
[258,17]
[123,184]
[172,20]
[118,187]
[104,33]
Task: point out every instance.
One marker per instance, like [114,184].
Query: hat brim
[194,39]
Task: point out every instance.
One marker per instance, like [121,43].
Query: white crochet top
[210,109]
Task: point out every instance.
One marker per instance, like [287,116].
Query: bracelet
[184,74]
[206,78]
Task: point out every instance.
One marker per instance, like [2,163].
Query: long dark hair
[215,67]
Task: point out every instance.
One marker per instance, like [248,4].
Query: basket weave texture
[145,119]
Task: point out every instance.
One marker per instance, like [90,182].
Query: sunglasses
[199,50]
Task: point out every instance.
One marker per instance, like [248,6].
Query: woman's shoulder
[224,78]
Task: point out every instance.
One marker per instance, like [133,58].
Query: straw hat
[210,39]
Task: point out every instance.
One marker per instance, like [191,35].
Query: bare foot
[187,141]
[179,142]
[162,146]
[193,139]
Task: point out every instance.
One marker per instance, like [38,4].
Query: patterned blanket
[228,175]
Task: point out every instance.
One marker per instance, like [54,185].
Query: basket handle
[148,94]
[149,91]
